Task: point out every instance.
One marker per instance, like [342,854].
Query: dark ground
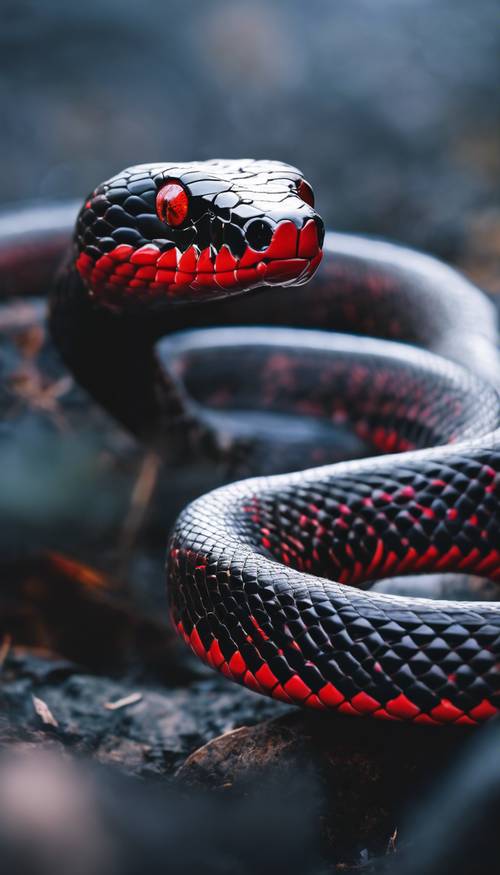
[392,110]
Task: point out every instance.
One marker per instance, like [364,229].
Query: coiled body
[268,576]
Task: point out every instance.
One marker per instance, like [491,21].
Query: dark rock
[368,772]
[152,736]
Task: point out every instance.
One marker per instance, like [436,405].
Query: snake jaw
[244,225]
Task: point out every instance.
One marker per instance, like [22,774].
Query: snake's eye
[172,203]
[305,191]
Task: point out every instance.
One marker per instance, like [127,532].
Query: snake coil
[268,576]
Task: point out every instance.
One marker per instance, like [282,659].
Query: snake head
[175,232]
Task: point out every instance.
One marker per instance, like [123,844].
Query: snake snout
[172,232]
[320,230]
[286,251]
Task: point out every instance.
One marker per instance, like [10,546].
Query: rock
[151,736]
[368,773]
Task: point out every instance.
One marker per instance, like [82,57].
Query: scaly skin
[265,575]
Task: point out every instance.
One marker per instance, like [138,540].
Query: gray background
[391,107]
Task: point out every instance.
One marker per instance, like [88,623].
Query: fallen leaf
[44,712]
[132,699]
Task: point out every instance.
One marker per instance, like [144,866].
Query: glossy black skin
[236,203]
[111,348]
[364,286]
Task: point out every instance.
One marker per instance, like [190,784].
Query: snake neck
[112,356]
[364,287]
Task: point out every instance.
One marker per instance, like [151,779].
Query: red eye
[305,191]
[172,203]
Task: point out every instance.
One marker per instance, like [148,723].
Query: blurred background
[391,108]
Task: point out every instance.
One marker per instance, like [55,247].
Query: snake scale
[269,576]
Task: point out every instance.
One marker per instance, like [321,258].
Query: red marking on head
[147,254]
[305,191]
[284,240]
[146,272]
[123,252]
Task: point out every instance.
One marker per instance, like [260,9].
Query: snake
[270,576]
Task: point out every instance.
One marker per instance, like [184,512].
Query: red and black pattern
[174,230]
[266,576]
[249,567]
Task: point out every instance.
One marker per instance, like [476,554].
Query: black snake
[266,575]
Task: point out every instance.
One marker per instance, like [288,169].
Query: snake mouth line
[127,272]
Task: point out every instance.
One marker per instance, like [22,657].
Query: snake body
[267,576]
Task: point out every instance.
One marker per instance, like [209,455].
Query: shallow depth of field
[119,752]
